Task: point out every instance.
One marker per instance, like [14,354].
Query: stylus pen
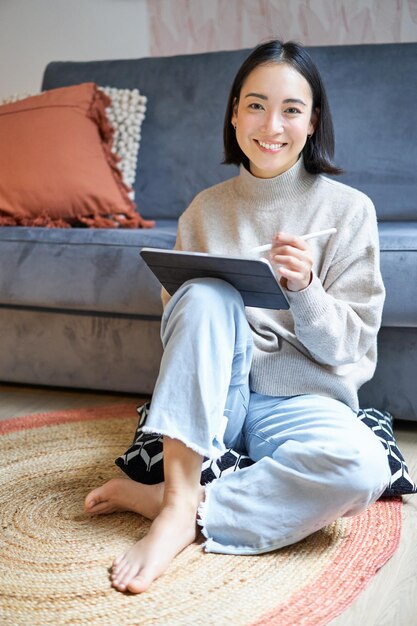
[319,233]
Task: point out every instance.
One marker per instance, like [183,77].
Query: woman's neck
[286,186]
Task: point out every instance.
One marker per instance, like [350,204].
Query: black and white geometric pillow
[143,461]
[380,422]
[231,461]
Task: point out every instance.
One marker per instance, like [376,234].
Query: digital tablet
[253,278]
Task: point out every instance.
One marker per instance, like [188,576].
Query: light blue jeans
[315,460]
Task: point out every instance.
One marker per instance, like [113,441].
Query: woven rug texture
[55,559]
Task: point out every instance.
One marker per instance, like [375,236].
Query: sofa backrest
[372,91]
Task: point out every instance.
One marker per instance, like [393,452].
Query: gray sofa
[78,308]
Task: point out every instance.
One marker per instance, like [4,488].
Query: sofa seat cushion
[82,269]
[398,242]
[101,270]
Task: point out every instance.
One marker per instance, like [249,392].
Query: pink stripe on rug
[37,420]
[357,560]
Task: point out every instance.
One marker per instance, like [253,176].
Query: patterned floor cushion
[381,423]
[143,461]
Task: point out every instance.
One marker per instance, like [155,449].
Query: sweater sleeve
[165,296]
[338,320]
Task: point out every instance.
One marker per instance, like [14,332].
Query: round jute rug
[54,559]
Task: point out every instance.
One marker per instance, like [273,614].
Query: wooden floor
[391,597]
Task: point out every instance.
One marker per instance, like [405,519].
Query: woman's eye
[256,106]
[292,110]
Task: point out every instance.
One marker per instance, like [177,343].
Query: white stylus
[319,233]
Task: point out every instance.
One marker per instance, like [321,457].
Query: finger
[290,273]
[281,239]
[294,274]
[299,261]
[294,280]
[286,252]
[291,250]
[292,262]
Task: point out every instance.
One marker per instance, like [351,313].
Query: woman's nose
[273,123]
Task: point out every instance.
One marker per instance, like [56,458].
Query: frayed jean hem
[215,452]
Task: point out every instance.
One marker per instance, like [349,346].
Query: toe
[141,582]
[122,579]
[119,585]
[119,565]
[124,570]
[105,493]
[118,560]
[101,507]
[92,500]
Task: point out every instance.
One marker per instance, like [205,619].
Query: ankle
[181,501]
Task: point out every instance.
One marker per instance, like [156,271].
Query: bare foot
[172,531]
[124,494]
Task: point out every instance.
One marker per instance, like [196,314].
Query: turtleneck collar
[287,186]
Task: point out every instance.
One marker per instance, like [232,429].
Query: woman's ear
[233,121]
[314,120]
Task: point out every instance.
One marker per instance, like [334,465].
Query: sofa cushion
[82,269]
[398,243]
[56,163]
[111,266]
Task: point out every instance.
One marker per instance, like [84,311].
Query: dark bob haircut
[319,149]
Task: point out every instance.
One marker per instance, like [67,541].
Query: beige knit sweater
[326,342]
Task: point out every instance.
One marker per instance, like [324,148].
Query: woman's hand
[292,261]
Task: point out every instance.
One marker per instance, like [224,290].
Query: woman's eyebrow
[261,96]
[296,100]
[256,95]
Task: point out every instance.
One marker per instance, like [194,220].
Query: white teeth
[270,146]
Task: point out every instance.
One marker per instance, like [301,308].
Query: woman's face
[273,118]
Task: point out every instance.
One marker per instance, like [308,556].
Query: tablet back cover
[253,278]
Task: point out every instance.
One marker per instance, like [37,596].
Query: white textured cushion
[126,115]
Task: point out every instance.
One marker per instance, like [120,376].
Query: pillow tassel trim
[125,219]
[40,221]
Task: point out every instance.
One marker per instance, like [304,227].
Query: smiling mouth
[272,147]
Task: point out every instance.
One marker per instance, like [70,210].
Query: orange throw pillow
[56,164]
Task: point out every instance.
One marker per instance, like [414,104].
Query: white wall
[34,32]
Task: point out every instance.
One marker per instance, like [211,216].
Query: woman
[278,385]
